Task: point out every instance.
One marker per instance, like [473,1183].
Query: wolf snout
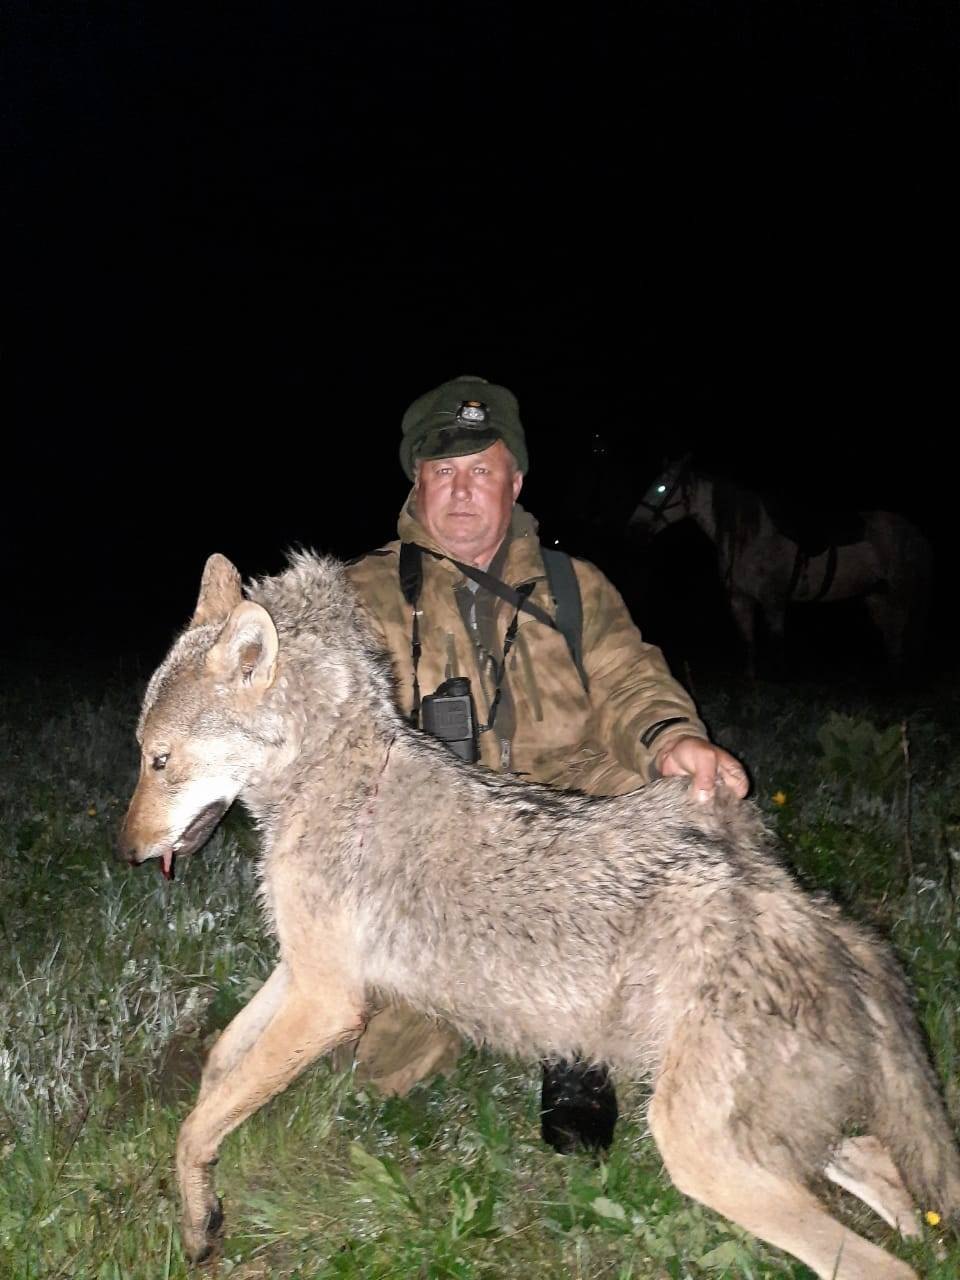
[136,843]
[126,850]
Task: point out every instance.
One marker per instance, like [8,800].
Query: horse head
[665,500]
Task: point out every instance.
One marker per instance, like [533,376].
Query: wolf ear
[220,591]
[247,647]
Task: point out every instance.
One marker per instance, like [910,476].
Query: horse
[773,553]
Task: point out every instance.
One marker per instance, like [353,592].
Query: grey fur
[650,932]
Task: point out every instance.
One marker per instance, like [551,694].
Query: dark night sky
[242,239]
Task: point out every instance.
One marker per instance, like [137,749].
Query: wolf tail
[909,1116]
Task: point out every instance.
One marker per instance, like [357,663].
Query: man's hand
[706,765]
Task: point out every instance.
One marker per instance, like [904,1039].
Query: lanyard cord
[416,648]
[411,582]
[522,591]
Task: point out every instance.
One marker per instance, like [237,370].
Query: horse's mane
[737,514]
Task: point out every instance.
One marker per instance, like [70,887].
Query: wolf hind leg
[772,1207]
[863,1167]
[689,1120]
[304,1025]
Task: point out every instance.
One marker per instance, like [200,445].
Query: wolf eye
[160,762]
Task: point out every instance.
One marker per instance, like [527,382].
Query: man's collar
[523,556]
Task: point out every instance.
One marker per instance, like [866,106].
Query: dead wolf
[677,947]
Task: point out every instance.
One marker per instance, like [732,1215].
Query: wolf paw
[200,1246]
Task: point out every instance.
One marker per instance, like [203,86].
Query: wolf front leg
[281,1032]
[244,1029]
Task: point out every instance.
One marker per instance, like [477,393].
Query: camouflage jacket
[558,732]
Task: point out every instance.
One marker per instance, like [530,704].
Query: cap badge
[472,413]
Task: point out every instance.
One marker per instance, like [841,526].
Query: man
[466,592]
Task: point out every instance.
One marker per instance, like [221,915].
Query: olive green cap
[464,415]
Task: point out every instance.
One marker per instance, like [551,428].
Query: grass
[114,982]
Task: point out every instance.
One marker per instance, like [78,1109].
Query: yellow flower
[779,797]
[932,1217]
[92,811]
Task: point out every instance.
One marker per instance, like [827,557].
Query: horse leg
[890,618]
[901,561]
[744,615]
[775,618]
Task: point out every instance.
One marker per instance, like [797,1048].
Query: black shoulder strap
[412,551]
[411,581]
[565,588]
[411,571]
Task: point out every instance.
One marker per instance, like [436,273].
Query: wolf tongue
[168,865]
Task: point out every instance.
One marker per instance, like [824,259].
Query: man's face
[465,503]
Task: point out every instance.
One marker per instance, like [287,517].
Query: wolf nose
[124,851]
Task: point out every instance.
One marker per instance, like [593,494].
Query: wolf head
[200,733]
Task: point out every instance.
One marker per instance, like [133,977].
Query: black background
[241,239]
